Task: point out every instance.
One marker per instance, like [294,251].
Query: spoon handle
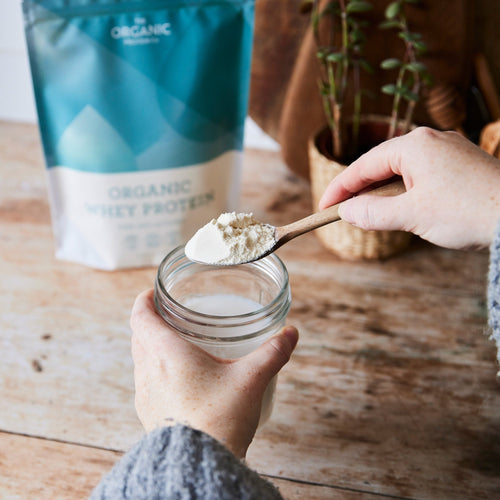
[284,234]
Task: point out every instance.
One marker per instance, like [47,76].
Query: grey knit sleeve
[181,463]
[494,292]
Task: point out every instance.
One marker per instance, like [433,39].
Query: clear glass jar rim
[177,309]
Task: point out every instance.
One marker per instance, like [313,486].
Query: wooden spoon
[281,235]
[284,234]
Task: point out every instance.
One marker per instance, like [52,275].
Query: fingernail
[345,212]
[320,203]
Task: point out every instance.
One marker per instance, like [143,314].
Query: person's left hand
[178,382]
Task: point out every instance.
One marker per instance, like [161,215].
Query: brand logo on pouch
[141,32]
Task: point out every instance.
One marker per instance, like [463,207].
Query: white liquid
[232,305]
[222,304]
[227,305]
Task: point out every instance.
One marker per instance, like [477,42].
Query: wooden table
[390,393]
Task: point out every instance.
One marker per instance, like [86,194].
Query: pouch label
[109,220]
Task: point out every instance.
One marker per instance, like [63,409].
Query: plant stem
[357,107]
[334,111]
[415,88]
[337,137]
[338,57]
[395,104]
[409,57]
[345,49]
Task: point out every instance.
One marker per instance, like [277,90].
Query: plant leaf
[335,57]
[390,63]
[390,89]
[392,10]
[416,67]
[420,47]
[358,6]
[389,24]
[410,96]
[410,37]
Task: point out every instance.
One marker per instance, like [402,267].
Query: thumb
[266,361]
[380,213]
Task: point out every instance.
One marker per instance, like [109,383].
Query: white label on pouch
[111,221]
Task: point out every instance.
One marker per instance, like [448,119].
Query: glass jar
[226,310]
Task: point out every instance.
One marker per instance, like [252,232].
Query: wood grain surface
[391,391]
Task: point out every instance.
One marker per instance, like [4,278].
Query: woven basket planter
[341,238]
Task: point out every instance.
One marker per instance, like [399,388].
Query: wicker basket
[341,238]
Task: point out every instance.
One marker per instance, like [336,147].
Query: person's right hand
[452,194]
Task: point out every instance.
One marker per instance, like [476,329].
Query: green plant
[340,56]
[412,74]
[338,27]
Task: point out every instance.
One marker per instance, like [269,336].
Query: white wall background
[16,92]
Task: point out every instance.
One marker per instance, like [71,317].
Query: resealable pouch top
[141,107]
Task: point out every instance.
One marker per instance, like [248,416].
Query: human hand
[178,382]
[452,194]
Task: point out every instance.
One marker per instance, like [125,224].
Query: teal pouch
[141,108]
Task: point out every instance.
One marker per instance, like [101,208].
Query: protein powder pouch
[141,107]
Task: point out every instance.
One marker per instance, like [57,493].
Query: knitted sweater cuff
[182,463]
[494,291]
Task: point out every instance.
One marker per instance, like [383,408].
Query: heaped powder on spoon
[232,238]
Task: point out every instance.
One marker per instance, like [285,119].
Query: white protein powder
[232,238]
